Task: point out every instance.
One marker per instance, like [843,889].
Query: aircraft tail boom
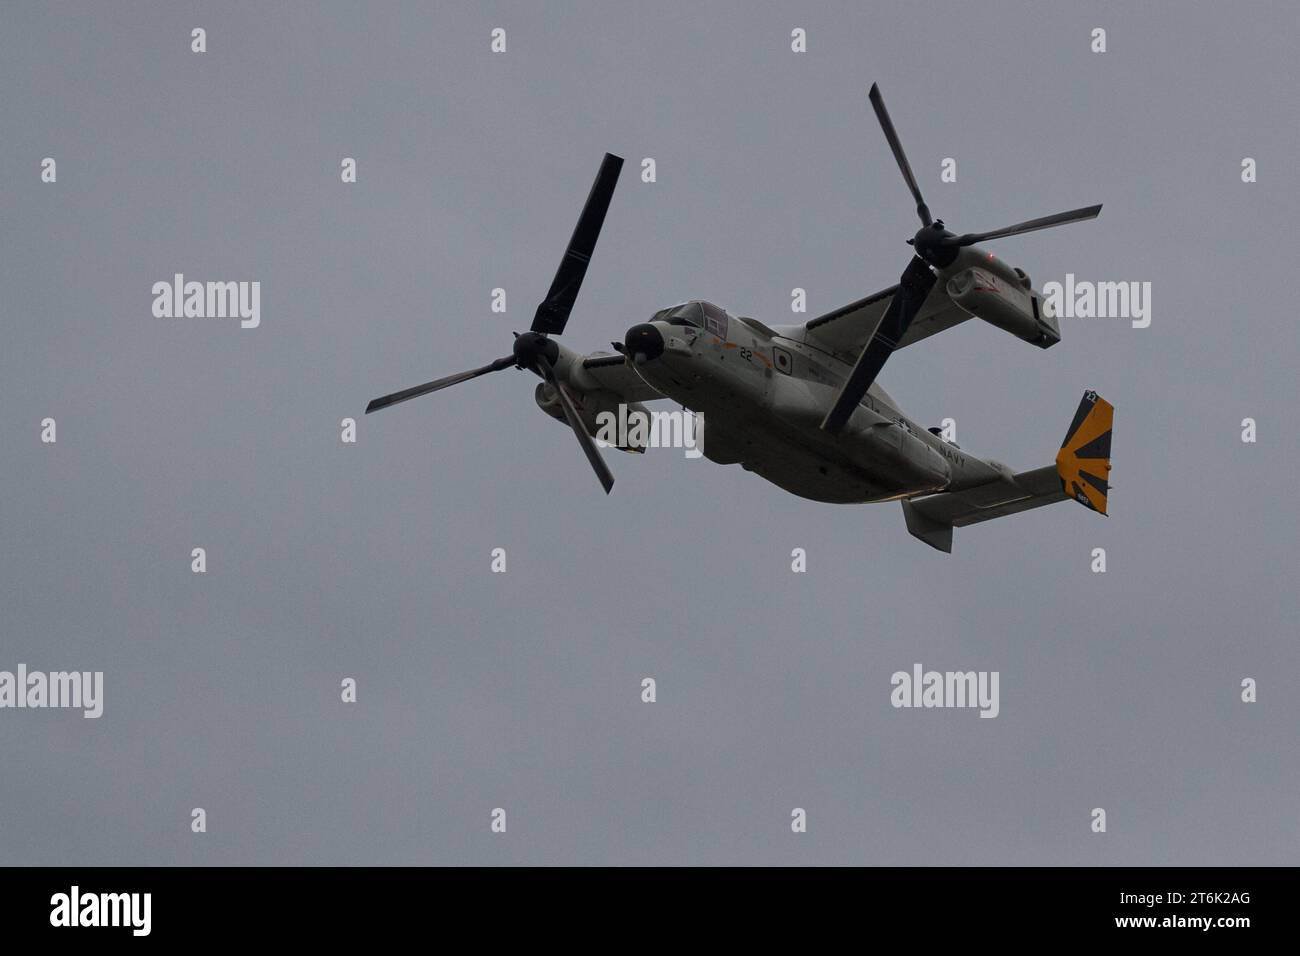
[1081,473]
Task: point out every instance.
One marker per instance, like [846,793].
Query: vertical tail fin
[1084,459]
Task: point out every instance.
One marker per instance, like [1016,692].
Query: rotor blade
[1033,225]
[553,313]
[882,114]
[571,413]
[913,287]
[433,386]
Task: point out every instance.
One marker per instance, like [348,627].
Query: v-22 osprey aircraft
[800,405]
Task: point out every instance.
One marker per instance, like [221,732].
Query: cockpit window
[715,320]
[688,313]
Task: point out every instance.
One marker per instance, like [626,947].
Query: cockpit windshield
[687,313]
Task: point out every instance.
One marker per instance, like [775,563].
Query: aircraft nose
[644,342]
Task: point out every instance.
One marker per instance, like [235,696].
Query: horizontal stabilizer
[933,517]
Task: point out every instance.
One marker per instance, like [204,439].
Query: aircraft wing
[845,332]
[616,375]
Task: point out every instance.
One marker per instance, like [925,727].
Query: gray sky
[522,690]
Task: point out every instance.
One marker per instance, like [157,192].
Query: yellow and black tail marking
[1084,459]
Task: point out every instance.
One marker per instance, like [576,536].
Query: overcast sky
[522,690]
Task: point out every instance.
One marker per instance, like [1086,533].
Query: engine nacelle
[594,408]
[1005,298]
